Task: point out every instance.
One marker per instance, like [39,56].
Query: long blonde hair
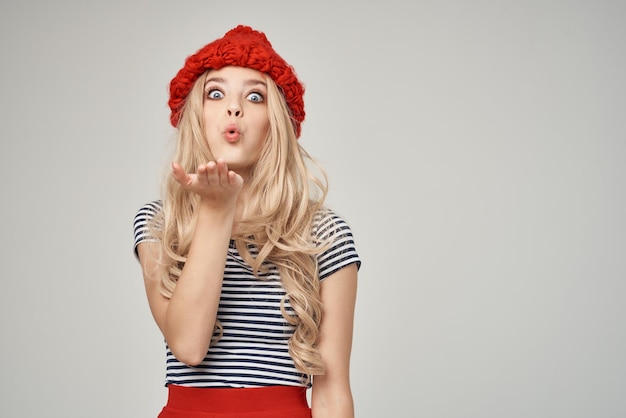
[285,196]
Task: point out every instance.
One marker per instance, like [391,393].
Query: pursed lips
[231,133]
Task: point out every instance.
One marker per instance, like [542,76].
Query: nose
[234,109]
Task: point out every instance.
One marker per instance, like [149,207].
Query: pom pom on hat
[241,47]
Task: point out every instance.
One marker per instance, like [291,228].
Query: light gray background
[477,148]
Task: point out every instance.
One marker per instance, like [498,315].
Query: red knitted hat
[241,47]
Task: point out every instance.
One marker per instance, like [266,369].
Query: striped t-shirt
[252,350]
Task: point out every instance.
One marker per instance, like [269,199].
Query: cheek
[263,134]
[209,116]
[264,122]
[265,127]
[258,121]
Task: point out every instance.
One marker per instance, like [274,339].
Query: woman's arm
[331,395]
[187,319]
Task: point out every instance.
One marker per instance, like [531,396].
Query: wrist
[217,208]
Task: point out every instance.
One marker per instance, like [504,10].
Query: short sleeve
[342,252]
[141,224]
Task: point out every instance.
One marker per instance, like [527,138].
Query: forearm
[334,407]
[192,309]
[335,411]
[331,395]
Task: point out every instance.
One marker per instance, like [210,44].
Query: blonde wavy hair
[285,196]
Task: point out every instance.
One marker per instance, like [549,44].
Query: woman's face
[235,115]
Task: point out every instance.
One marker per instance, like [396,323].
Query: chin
[235,165]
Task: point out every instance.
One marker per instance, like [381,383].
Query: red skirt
[264,402]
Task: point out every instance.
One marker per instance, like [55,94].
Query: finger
[202,173]
[234,179]
[211,172]
[180,176]
[222,170]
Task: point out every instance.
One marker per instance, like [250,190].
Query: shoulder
[143,222]
[328,224]
[333,231]
[149,210]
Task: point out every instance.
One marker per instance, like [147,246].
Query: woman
[250,278]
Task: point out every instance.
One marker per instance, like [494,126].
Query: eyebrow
[251,82]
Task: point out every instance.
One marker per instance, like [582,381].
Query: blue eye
[214,94]
[255,97]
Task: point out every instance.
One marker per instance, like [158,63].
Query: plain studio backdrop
[477,149]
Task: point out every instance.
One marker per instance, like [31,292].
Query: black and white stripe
[253,351]
[141,223]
